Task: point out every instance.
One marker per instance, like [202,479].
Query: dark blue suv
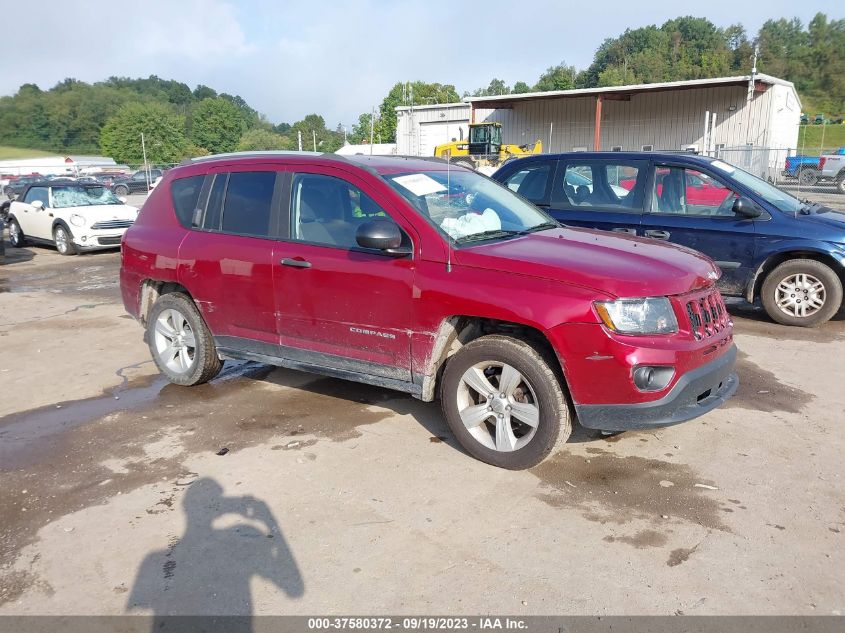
[769,244]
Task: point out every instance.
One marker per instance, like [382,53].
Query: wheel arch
[773,261]
[151,290]
[458,330]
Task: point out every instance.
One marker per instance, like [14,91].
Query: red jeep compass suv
[430,279]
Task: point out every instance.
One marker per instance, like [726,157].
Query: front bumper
[695,393]
[92,240]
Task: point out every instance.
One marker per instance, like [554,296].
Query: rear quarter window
[185,193]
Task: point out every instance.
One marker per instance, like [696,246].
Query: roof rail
[249,154]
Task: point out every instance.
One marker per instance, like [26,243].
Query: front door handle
[620,229]
[296,263]
[658,234]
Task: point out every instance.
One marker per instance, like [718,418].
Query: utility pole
[750,97]
[314,136]
[299,137]
[146,167]
[372,129]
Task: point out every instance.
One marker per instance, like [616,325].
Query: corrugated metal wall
[666,120]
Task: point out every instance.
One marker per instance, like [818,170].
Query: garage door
[436,132]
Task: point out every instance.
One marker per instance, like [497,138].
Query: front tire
[802,292]
[63,240]
[181,344]
[16,237]
[840,183]
[504,402]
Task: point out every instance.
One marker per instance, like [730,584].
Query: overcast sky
[336,58]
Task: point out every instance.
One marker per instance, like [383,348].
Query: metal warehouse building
[745,115]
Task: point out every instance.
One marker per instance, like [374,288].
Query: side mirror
[746,208]
[37,205]
[383,235]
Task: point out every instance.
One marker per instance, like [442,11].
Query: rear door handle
[658,234]
[296,263]
[620,229]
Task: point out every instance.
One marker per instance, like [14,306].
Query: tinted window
[601,186]
[530,182]
[215,203]
[328,210]
[186,193]
[37,193]
[690,192]
[249,198]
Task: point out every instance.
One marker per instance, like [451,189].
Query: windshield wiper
[486,235]
[540,227]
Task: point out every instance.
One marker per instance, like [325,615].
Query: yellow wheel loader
[484,148]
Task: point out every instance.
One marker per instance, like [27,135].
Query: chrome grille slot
[112,224]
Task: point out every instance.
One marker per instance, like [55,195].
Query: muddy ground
[333,497]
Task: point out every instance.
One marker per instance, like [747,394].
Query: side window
[682,191]
[328,210]
[214,208]
[531,182]
[248,204]
[186,193]
[601,186]
[37,193]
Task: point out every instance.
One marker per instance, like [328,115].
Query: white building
[55,165]
[420,129]
[723,114]
[376,149]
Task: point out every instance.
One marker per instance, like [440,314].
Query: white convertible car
[72,215]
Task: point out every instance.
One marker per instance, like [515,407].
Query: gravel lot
[335,497]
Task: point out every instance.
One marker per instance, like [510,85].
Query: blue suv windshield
[771,194]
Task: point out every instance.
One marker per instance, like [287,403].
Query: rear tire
[808,176]
[840,183]
[63,240]
[121,190]
[16,237]
[181,344]
[802,292]
[504,402]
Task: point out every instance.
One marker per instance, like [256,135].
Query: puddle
[640,540]
[613,489]
[760,390]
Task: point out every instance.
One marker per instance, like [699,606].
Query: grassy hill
[9,153]
[810,139]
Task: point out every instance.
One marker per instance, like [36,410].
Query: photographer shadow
[207,572]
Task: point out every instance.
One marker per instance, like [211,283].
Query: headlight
[77,220]
[651,315]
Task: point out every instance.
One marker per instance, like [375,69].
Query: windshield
[466,206]
[771,194]
[82,196]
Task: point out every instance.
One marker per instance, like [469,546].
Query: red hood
[622,266]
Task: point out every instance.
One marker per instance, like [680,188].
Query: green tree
[520,87]
[410,93]
[560,77]
[217,125]
[262,139]
[496,87]
[162,129]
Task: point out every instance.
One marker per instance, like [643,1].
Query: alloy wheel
[175,342]
[61,240]
[498,406]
